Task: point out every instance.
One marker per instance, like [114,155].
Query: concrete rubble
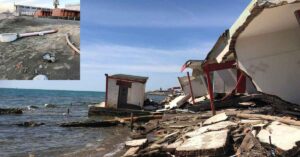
[228,133]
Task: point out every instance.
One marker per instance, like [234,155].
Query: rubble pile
[231,132]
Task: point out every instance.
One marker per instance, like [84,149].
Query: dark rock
[10,111]
[91,123]
[30,124]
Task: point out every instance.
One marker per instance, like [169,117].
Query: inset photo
[40,40]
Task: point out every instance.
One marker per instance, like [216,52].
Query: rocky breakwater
[4,111]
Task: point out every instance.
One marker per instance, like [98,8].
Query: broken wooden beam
[267,117]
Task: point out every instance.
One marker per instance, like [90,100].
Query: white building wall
[113,93]
[136,94]
[224,81]
[198,85]
[273,59]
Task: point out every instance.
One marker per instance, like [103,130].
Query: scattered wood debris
[237,132]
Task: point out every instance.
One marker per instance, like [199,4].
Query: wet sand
[22,59]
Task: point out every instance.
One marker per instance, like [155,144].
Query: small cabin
[125,91]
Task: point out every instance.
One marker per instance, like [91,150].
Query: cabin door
[122,99]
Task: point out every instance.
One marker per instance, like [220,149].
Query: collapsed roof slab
[285,145]
[212,143]
[265,42]
[268,50]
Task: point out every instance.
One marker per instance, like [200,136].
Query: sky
[8,4]
[141,37]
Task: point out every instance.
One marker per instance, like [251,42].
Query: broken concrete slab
[288,144]
[216,118]
[213,127]
[169,138]
[212,143]
[178,101]
[172,147]
[131,151]
[251,121]
[136,143]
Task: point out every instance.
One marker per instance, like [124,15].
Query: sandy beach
[23,59]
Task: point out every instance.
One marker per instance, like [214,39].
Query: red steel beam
[190,83]
[219,66]
[214,67]
[241,83]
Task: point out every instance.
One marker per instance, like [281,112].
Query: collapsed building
[71,11]
[259,53]
[21,10]
[265,42]
[125,91]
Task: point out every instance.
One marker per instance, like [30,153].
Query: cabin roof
[132,78]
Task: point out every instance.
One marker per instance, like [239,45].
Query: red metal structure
[241,79]
[190,83]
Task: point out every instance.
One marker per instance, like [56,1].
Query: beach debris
[131,151]
[178,101]
[285,145]
[40,77]
[50,105]
[10,111]
[250,146]
[71,44]
[30,124]
[136,143]
[9,37]
[212,143]
[269,117]
[213,127]
[49,57]
[19,65]
[216,118]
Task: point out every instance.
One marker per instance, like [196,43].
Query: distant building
[65,13]
[27,10]
[125,91]
[73,7]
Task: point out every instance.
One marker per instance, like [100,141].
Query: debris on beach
[30,51]
[40,77]
[49,57]
[10,37]
[224,134]
[71,44]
